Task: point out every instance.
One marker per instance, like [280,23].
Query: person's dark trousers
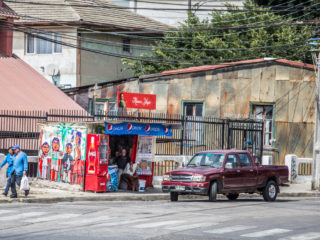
[16,179]
[6,190]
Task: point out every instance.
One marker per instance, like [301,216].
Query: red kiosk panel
[97,162]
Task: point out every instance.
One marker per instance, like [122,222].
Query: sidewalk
[53,192]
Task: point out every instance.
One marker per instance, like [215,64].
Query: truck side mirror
[228,165]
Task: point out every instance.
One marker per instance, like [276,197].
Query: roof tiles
[231,64]
[23,88]
[93,12]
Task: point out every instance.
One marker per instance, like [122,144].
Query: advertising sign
[151,129]
[144,156]
[137,100]
[62,153]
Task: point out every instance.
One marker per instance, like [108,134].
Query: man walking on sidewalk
[9,160]
[20,167]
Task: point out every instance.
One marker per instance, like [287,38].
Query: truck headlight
[166,177]
[198,178]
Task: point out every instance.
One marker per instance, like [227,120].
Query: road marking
[88,219]
[21,216]
[6,211]
[51,217]
[230,229]
[306,236]
[265,233]
[190,226]
[157,224]
[109,224]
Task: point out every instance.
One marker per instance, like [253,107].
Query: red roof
[7,12]
[23,88]
[231,64]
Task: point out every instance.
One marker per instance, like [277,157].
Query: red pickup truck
[227,172]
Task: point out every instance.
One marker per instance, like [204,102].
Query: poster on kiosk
[97,162]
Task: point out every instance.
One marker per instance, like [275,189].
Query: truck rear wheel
[213,192]
[270,191]
[174,196]
[232,196]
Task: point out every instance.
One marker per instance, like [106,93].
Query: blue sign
[127,128]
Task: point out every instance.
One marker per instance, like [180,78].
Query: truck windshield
[207,159]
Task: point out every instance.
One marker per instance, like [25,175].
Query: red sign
[137,100]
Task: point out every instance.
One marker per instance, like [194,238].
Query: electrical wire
[112,6]
[132,36]
[110,43]
[181,62]
[233,20]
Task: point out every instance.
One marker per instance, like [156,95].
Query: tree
[226,37]
[304,9]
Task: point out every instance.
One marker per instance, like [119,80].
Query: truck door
[231,175]
[248,171]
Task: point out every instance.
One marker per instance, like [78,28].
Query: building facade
[71,45]
[176,10]
[279,92]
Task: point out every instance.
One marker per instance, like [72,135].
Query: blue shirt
[9,159]
[20,163]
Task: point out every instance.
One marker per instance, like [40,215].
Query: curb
[137,197]
[300,194]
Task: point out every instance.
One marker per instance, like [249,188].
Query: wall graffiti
[62,153]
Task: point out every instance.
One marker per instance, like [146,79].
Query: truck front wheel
[213,192]
[174,196]
[270,191]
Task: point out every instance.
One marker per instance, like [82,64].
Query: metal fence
[191,134]
[21,127]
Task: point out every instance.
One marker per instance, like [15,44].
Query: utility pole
[189,6]
[315,51]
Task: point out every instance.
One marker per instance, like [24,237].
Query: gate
[246,135]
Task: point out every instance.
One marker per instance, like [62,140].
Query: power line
[184,62]
[149,38]
[111,6]
[110,43]
[235,13]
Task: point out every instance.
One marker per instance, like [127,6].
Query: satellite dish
[52,70]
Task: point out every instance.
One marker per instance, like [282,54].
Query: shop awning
[134,128]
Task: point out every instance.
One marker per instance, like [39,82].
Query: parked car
[227,172]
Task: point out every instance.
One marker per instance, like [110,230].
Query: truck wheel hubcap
[272,191]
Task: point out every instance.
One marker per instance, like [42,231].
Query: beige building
[280,92]
[72,45]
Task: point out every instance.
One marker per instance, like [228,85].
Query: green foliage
[304,9]
[222,38]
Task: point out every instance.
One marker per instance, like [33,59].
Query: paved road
[286,219]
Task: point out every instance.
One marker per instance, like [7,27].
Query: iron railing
[191,134]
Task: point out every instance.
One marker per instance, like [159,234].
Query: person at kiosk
[122,162]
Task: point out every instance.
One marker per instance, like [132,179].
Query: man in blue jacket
[9,160]
[20,168]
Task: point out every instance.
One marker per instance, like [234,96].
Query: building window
[57,46]
[30,44]
[44,46]
[193,130]
[103,107]
[126,47]
[112,108]
[265,113]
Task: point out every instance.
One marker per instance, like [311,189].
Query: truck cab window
[244,160]
[232,161]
